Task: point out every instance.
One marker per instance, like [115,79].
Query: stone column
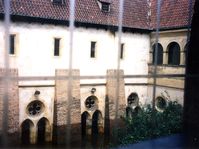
[13,103]
[111,97]
[61,106]
[182,58]
[165,57]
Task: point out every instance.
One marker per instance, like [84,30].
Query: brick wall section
[61,107]
[111,93]
[61,100]
[13,101]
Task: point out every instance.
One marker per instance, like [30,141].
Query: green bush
[149,123]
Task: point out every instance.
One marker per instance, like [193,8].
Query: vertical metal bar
[70,77]
[120,23]
[156,51]
[6,75]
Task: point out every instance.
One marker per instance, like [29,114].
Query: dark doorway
[97,116]
[25,131]
[84,124]
[41,131]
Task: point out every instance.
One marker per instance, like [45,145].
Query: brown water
[87,142]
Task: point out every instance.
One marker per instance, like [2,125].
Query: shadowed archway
[97,123]
[43,130]
[85,123]
[26,127]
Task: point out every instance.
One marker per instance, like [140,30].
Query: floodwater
[98,141]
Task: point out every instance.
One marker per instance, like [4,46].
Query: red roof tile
[174,13]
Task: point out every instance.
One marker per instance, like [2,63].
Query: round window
[90,102]
[35,108]
[160,104]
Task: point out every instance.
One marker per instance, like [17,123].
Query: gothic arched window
[173,54]
[159,54]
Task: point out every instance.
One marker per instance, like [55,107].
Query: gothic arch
[173,53]
[97,123]
[43,131]
[159,54]
[86,123]
[26,131]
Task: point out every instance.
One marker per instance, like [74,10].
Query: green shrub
[149,123]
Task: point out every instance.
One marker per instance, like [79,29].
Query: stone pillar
[61,106]
[111,89]
[13,103]
[165,57]
[182,58]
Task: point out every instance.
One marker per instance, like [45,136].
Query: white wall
[35,43]
[169,94]
[34,57]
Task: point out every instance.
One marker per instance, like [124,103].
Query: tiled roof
[174,13]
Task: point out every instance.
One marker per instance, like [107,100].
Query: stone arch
[27,132]
[97,123]
[173,53]
[133,99]
[86,123]
[91,102]
[159,54]
[43,131]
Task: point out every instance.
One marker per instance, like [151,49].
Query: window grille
[173,58]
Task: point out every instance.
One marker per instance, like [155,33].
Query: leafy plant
[149,123]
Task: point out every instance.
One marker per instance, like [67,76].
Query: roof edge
[113,28]
[173,28]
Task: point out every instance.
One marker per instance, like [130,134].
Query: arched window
[173,54]
[26,127]
[97,124]
[43,131]
[85,123]
[159,54]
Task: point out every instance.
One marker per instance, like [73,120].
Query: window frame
[122,48]
[160,53]
[12,46]
[93,49]
[58,2]
[55,47]
[105,7]
[173,55]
